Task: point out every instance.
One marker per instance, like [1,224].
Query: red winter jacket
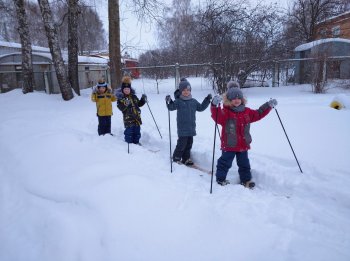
[235,135]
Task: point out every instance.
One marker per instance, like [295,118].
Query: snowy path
[67,194]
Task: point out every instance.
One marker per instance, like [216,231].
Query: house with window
[334,27]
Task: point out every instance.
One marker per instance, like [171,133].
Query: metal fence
[277,73]
[217,74]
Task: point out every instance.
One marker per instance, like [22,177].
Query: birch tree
[23,30]
[51,33]
[73,75]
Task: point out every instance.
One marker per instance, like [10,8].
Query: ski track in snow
[63,187]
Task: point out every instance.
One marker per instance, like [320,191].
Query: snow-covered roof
[307,46]
[93,59]
[123,59]
[90,60]
[81,59]
[333,17]
[19,46]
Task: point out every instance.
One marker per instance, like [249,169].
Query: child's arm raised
[94,97]
[217,113]
[171,105]
[142,101]
[205,103]
[263,110]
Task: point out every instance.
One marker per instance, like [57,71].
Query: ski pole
[171,161]
[212,163]
[288,140]
[154,119]
[128,147]
[217,127]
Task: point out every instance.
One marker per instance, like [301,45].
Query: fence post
[275,75]
[46,81]
[177,75]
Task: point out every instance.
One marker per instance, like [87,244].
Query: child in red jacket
[235,119]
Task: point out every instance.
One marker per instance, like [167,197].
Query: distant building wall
[334,27]
[90,69]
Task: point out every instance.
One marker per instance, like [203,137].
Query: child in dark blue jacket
[186,107]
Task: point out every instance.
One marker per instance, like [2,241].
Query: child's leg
[136,134]
[103,125]
[180,148]
[128,133]
[99,127]
[243,166]
[187,151]
[224,164]
[108,124]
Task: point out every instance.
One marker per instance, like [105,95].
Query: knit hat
[231,84]
[101,83]
[184,84]
[234,92]
[126,82]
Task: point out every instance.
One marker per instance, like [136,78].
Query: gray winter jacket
[186,114]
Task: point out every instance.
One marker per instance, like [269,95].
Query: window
[336,31]
[323,32]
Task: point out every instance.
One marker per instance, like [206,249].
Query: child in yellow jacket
[103,97]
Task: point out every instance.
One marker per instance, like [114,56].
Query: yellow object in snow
[337,105]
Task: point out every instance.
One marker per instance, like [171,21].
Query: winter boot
[223,183]
[177,160]
[188,162]
[249,184]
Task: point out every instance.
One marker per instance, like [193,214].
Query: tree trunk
[73,75]
[114,43]
[23,30]
[51,33]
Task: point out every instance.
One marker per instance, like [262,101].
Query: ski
[153,151]
[150,150]
[194,166]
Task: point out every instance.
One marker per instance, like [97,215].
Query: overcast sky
[142,37]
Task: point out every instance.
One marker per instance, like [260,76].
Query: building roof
[96,57]
[329,19]
[81,59]
[19,46]
[307,46]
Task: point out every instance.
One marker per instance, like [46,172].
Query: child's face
[126,91]
[236,102]
[186,92]
[101,89]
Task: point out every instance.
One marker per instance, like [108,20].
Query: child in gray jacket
[186,107]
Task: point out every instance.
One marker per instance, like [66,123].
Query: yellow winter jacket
[104,102]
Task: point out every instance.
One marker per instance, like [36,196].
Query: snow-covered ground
[67,194]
